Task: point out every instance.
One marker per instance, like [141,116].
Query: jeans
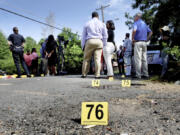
[165,59]
[19,57]
[140,58]
[44,67]
[108,52]
[127,64]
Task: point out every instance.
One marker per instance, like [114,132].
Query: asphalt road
[52,106]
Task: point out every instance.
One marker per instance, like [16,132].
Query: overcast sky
[68,13]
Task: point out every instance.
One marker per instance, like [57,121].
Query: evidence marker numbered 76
[94,113]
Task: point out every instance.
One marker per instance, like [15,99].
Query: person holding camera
[16,43]
[165,43]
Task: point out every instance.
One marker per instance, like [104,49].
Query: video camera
[61,39]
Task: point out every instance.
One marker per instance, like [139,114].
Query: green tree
[73,51]
[6,61]
[4,48]
[158,13]
[29,44]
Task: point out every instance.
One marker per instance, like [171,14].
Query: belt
[140,41]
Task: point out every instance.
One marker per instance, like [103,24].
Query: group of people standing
[98,37]
[29,61]
[124,57]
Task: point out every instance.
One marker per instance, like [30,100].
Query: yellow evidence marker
[24,76]
[94,113]
[111,79]
[126,83]
[95,83]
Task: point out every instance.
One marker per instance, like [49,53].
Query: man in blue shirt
[16,43]
[127,54]
[140,35]
[93,38]
[44,67]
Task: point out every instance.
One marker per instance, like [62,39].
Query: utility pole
[102,11]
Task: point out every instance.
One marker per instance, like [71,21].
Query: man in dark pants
[16,43]
[165,43]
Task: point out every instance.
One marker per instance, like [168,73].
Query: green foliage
[4,48]
[158,13]
[31,43]
[175,52]
[7,65]
[129,21]
[6,61]
[73,52]
[41,41]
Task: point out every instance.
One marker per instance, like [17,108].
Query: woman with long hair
[110,48]
[51,54]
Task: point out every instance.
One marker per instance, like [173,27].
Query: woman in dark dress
[51,54]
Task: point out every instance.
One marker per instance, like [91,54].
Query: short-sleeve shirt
[142,30]
[34,56]
[16,39]
[28,59]
[128,47]
[43,49]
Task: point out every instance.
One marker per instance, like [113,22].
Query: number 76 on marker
[94,113]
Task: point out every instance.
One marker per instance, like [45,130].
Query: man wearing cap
[93,38]
[16,43]
[140,35]
[164,43]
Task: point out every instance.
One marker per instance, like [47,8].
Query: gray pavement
[52,106]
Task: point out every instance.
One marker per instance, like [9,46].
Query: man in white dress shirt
[94,37]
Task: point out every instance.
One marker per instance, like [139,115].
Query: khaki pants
[140,59]
[93,46]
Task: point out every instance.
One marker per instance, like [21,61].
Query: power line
[102,10]
[40,22]
[30,19]
[28,12]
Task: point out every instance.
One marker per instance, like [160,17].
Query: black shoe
[29,76]
[83,76]
[145,77]
[18,76]
[97,77]
[136,78]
